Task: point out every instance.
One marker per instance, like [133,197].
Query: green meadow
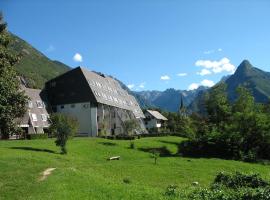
[85,172]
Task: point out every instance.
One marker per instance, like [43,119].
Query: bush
[127,180]
[171,190]
[63,127]
[238,180]
[132,145]
[236,186]
[37,136]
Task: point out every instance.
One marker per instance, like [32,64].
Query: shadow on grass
[33,149]
[162,151]
[108,143]
[169,142]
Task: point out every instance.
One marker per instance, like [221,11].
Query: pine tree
[12,99]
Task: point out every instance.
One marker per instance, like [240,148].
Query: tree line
[234,130]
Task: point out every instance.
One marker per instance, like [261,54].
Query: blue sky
[147,44]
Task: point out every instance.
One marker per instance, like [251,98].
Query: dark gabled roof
[108,91]
[157,115]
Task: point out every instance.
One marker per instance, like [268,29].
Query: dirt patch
[46,173]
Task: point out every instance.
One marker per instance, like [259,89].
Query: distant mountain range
[255,80]
[36,69]
[168,100]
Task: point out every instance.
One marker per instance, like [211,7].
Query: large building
[97,101]
[36,119]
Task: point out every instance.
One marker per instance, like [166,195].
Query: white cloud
[130,86]
[193,86]
[217,66]
[77,57]
[182,74]
[204,72]
[142,85]
[207,83]
[165,77]
[50,48]
[220,49]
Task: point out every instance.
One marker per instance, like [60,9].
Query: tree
[63,127]
[12,99]
[130,125]
[218,106]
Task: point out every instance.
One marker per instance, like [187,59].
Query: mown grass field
[84,173]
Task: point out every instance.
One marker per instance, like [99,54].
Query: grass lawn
[84,173]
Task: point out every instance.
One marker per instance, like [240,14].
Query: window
[62,106]
[72,105]
[34,117]
[44,117]
[39,104]
[30,104]
[53,84]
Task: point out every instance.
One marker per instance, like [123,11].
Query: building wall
[111,119]
[151,122]
[85,113]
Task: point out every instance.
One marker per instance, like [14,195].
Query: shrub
[171,190]
[63,127]
[236,186]
[127,180]
[132,145]
[238,180]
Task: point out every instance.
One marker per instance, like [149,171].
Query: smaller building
[154,119]
[36,118]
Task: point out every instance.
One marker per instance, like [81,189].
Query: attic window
[91,82]
[98,84]
[53,84]
[30,104]
[44,117]
[40,104]
[34,117]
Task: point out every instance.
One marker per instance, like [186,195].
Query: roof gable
[157,115]
[108,91]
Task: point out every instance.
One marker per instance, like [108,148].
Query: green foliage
[217,104]
[63,127]
[103,128]
[179,124]
[132,145]
[236,186]
[240,130]
[238,180]
[130,126]
[127,180]
[12,99]
[171,190]
[37,136]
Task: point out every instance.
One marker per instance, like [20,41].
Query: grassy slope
[85,174]
[33,65]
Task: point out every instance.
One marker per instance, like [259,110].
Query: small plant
[171,190]
[132,145]
[155,155]
[127,180]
